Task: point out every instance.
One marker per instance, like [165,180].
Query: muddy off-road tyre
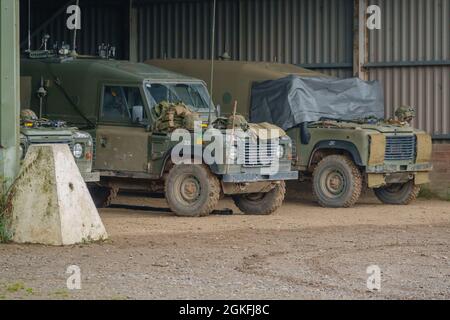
[102,196]
[398,194]
[337,182]
[192,190]
[261,203]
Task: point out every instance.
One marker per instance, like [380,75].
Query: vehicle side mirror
[218,111]
[137,114]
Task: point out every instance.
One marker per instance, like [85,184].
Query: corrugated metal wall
[316,33]
[410,55]
[101,22]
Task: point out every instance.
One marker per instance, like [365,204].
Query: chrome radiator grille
[260,154]
[400,148]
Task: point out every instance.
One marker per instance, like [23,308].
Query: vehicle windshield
[193,95]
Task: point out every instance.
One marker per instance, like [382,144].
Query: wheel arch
[329,147]
[167,161]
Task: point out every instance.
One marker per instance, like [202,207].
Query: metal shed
[410,55]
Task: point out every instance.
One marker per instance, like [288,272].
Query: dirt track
[303,251]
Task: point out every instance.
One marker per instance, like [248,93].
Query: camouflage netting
[262,130]
[238,121]
[172,116]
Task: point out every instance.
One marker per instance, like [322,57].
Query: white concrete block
[50,202]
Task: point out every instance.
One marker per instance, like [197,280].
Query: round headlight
[280,151]
[77,151]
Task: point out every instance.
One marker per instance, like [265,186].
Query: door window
[118,103]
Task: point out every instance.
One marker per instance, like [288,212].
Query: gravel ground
[301,252]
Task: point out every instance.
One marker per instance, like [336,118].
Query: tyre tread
[357,180]
[275,204]
[213,197]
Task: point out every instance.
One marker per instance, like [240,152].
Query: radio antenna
[29,25]
[213,38]
[74,44]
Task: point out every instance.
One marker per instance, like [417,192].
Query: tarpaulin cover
[293,100]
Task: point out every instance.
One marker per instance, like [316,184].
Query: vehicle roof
[76,96]
[116,69]
[267,70]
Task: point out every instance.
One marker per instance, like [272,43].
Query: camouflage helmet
[238,121]
[405,113]
[28,114]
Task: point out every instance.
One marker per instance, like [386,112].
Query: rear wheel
[398,194]
[192,190]
[261,203]
[337,182]
[102,196]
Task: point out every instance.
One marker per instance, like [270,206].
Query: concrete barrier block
[50,203]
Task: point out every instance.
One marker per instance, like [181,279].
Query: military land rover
[340,156]
[35,131]
[131,109]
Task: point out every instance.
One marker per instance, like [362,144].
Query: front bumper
[253,177]
[91,176]
[399,168]
[379,176]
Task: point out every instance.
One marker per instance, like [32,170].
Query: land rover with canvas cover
[342,141]
[135,113]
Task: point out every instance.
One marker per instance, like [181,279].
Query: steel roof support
[9,91]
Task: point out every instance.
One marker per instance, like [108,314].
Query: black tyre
[337,182]
[261,203]
[398,194]
[102,196]
[192,190]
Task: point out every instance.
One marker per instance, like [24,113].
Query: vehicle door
[122,137]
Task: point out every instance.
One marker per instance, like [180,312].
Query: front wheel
[261,203]
[192,190]
[337,182]
[398,194]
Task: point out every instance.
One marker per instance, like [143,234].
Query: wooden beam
[361,40]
